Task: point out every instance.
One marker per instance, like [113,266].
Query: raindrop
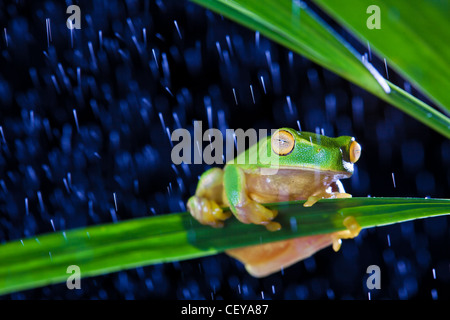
[289,103]
[162,121]
[293,223]
[227,37]
[178,29]
[115,200]
[113,215]
[234,94]
[268,58]
[386,67]
[154,57]
[219,50]
[100,38]
[253,96]
[144,36]
[91,52]
[49,31]
[263,84]
[136,43]
[2,134]
[55,83]
[407,87]
[434,294]
[76,119]
[6,36]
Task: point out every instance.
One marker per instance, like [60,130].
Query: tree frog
[297,166]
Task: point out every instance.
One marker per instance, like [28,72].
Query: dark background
[68,170]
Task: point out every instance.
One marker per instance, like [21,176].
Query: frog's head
[306,150]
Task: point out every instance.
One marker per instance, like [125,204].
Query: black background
[120,145]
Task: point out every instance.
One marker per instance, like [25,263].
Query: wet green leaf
[295,26]
[102,249]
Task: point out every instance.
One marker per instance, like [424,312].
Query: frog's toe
[272,226]
[253,212]
[207,211]
[333,195]
[311,201]
[217,212]
[353,229]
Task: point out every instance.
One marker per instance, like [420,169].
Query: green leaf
[412,38]
[295,26]
[139,242]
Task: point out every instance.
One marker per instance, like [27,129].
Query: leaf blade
[173,237]
[312,38]
[410,38]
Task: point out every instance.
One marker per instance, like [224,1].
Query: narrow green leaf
[302,31]
[412,38]
[139,242]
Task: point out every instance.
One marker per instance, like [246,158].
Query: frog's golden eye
[355,151]
[282,142]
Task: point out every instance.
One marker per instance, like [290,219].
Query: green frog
[290,165]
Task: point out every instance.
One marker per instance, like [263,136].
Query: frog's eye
[355,151]
[282,142]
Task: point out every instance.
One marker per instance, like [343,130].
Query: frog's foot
[252,212]
[207,211]
[325,195]
[353,229]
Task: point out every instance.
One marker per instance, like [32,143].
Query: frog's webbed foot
[207,211]
[251,211]
[353,229]
[205,205]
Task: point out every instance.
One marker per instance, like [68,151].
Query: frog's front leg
[205,204]
[243,207]
[334,191]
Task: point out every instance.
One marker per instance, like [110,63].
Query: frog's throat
[274,168]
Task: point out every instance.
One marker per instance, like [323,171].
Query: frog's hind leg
[205,204]
[265,259]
